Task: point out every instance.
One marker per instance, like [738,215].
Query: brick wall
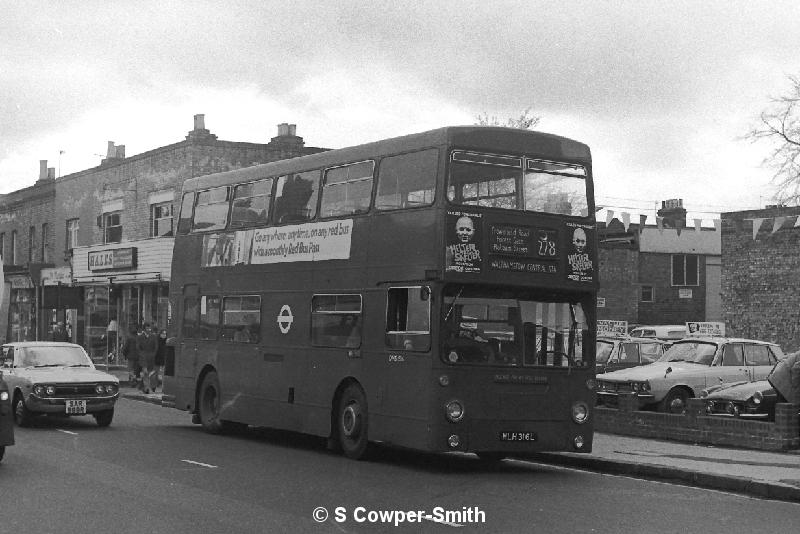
[760,289]
[32,206]
[619,268]
[655,270]
[783,434]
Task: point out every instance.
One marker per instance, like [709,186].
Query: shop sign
[118,258]
[54,277]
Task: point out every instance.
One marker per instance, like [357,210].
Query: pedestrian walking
[130,349]
[147,343]
[160,358]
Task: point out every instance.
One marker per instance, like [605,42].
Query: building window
[12,257]
[161,216]
[685,270]
[72,234]
[647,294]
[45,237]
[2,245]
[31,243]
[112,227]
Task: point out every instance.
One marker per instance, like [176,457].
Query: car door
[730,366]
[8,368]
[759,360]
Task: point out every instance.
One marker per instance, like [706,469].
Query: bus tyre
[2,452]
[675,401]
[209,404]
[352,422]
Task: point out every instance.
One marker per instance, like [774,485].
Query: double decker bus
[435,291]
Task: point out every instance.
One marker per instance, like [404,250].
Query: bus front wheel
[352,422]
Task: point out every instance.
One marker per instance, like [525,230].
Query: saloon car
[6,418]
[688,367]
[614,353]
[56,379]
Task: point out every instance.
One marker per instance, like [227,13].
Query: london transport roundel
[285,319]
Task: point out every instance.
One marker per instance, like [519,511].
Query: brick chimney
[287,137]
[45,174]
[113,153]
[673,213]
[200,132]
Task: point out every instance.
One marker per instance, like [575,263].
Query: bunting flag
[756,225]
[698,223]
[626,220]
[778,223]
[609,216]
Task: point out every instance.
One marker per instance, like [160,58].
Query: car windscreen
[603,350]
[690,352]
[52,356]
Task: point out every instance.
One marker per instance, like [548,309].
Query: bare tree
[780,125]
[525,121]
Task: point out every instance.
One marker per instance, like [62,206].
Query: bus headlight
[444,380]
[591,384]
[580,412]
[454,411]
[3,395]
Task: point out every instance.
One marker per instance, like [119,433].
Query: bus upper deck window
[251,204]
[407,180]
[211,209]
[185,220]
[556,188]
[296,197]
[347,189]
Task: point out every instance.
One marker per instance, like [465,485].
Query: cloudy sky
[662,92]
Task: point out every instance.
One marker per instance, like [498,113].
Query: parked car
[664,332]
[688,367]
[57,379]
[754,400]
[614,353]
[6,418]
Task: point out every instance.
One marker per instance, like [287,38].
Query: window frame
[31,243]
[45,250]
[652,291]
[331,339]
[405,339]
[254,334]
[196,203]
[108,217]
[71,234]
[283,216]
[154,219]
[686,282]
[269,208]
[406,204]
[328,187]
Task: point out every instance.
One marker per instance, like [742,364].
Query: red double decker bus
[435,291]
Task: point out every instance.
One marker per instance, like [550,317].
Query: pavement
[764,474]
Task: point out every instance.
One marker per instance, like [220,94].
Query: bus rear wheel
[352,422]
[209,404]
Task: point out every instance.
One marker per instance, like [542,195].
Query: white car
[688,367]
[57,379]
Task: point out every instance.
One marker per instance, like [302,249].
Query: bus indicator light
[580,412]
[454,411]
[454,441]
[444,380]
[578,441]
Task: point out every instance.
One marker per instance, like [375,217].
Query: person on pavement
[147,344]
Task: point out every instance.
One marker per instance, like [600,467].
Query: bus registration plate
[76,407]
[517,436]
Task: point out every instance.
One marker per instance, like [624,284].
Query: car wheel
[352,422]
[2,452]
[104,418]
[22,416]
[675,401]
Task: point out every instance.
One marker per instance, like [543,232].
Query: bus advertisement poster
[580,266]
[462,253]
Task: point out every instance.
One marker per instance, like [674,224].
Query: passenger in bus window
[241,335]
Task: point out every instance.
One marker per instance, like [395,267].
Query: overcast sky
[662,92]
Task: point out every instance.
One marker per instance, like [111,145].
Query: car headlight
[758,397]
[38,391]
[50,390]
[580,412]
[112,389]
[3,395]
[454,411]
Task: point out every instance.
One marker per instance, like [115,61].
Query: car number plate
[517,436]
[76,406]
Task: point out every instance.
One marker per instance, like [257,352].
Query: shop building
[93,249]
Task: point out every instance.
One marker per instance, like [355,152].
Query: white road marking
[67,432]
[201,464]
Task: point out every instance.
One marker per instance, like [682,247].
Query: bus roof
[507,140]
